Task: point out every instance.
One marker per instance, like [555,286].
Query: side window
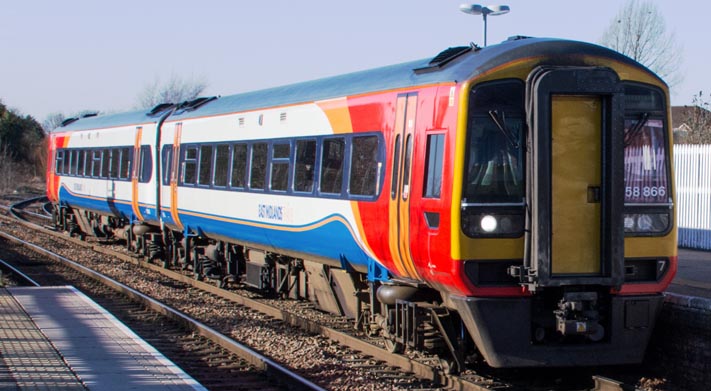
[332,154]
[59,162]
[166,163]
[81,155]
[433,166]
[280,167]
[115,162]
[67,158]
[406,170]
[258,170]
[396,168]
[239,166]
[222,165]
[190,165]
[68,162]
[305,165]
[73,162]
[105,163]
[364,165]
[126,159]
[146,164]
[95,163]
[205,165]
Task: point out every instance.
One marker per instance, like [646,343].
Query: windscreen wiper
[500,122]
[632,133]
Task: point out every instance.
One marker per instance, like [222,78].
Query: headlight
[488,223]
[492,223]
[646,223]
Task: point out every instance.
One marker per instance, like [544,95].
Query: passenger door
[135,199]
[400,185]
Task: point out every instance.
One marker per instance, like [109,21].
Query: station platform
[693,276]
[57,338]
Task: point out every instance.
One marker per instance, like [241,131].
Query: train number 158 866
[646,191]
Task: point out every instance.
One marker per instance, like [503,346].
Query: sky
[74,55]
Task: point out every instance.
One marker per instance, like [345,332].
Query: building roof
[684,117]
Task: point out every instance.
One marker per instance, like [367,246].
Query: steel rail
[15,209]
[258,360]
[5,265]
[47,208]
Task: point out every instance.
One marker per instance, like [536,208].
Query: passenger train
[513,203]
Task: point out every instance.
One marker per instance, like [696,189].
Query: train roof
[452,65]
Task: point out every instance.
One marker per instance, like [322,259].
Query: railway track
[373,361]
[216,361]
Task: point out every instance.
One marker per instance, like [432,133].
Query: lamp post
[484,11]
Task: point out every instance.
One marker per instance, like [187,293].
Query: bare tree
[639,32]
[698,118]
[173,90]
[52,121]
[9,170]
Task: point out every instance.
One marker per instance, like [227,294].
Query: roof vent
[69,121]
[516,38]
[282,117]
[160,108]
[194,104]
[444,57]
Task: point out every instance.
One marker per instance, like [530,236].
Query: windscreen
[646,178]
[494,154]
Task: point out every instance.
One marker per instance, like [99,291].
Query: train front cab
[566,220]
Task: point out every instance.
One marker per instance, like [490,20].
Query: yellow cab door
[577,193]
[576,122]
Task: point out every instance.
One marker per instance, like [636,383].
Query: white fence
[692,167]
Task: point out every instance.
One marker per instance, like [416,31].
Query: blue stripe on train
[332,239]
[107,206]
[329,239]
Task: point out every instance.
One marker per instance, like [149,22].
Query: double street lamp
[476,9]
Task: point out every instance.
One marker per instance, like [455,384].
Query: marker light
[644,223]
[629,223]
[488,223]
